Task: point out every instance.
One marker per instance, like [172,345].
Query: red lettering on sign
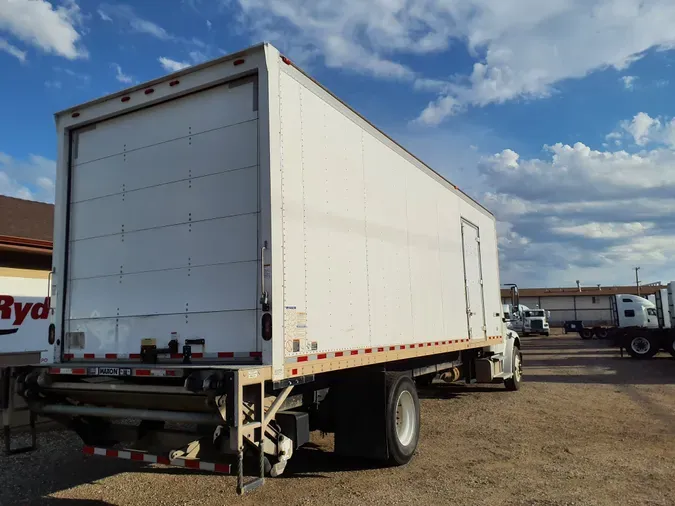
[39,311]
[6,303]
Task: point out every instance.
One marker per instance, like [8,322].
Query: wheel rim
[640,345]
[405,418]
[517,366]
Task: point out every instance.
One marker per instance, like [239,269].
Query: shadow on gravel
[54,501]
[592,362]
[453,391]
[311,460]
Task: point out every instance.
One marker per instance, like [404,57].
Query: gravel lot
[587,428]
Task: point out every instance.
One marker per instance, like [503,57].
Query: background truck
[628,311]
[647,341]
[24,320]
[238,251]
[527,321]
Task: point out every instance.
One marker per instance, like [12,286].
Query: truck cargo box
[239,213]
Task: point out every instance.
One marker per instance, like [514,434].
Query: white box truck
[238,250]
[24,321]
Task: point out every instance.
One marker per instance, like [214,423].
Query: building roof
[585,291]
[26,223]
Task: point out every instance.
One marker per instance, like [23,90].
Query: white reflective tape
[100,451]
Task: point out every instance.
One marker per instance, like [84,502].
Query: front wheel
[513,383]
[641,347]
[586,334]
[403,420]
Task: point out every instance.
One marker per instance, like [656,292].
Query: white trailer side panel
[372,242]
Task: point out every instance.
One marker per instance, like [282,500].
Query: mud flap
[358,407]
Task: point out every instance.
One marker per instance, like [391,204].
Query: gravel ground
[587,428]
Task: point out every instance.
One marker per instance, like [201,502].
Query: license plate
[112,371]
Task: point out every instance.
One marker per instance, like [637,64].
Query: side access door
[473,281]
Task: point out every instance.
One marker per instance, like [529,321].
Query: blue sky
[556,115]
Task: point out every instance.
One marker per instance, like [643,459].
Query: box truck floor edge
[239,252]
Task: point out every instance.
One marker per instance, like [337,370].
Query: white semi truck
[24,320]
[527,321]
[238,250]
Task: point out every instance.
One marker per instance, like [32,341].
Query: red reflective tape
[392,348]
[369,350]
[222,468]
[294,371]
[176,355]
[321,356]
[89,355]
[225,354]
[402,347]
[79,371]
[380,349]
[163,460]
[256,354]
[170,373]
[142,372]
[444,342]
[111,355]
[111,453]
[339,353]
[55,370]
[68,356]
[197,355]
[137,456]
[303,359]
[354,352]
[420,345]
[88,450]
[134,355]
[436,343]
[191,464]
[428,344]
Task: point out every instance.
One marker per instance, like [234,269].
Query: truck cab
[535,321]
[635,311]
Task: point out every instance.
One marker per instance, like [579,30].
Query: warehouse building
[588,304]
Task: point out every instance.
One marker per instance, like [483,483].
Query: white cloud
[209,25]
[104,16]
[53,29]
[13,50]
[583,213]
[521,48]
[31,179]
[607,230]
[172,65]
[120,75]
[127,14]
[629,82]
[642,129]
[53,84]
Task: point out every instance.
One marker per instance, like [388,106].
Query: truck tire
[601,333]
[513,383]
[671,346]
[641,347]
[402,419]
[586,334]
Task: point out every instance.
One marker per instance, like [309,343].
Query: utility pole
[637,280]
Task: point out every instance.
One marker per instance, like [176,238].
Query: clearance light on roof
[75,115]
[126,99]
[286,60]
[239,61]
[174,83]
[149,90]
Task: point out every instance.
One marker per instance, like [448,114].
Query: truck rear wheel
[586,333]
[402,420]
[641,347]
[513,383]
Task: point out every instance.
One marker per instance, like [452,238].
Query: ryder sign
[24,323]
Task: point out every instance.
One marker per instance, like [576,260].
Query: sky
[556,115]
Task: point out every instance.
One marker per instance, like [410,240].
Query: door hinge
[481,282]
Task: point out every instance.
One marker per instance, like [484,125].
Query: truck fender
[512,340]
